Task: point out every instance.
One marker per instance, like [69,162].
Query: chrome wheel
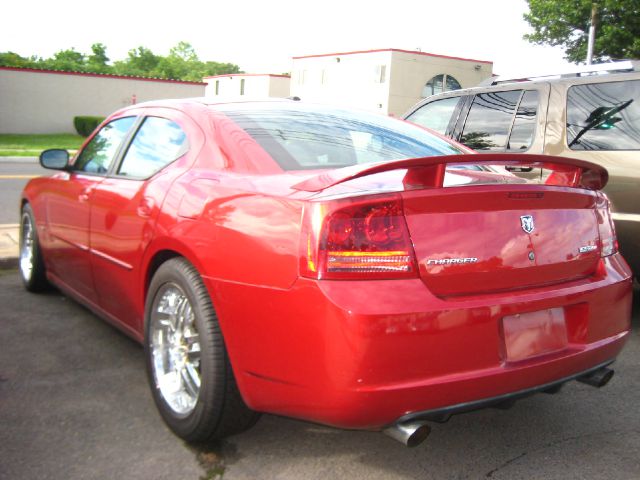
[27,247]
[191,379]
[175,349]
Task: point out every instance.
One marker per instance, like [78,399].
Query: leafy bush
[85,125]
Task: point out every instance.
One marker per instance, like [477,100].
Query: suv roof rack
[573,71]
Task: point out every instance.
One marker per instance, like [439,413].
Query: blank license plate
[528,335]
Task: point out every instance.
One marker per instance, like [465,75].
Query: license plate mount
[531,334]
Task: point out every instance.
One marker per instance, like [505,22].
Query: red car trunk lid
[473,241]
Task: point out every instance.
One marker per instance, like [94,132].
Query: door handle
[85,194]
[146,207]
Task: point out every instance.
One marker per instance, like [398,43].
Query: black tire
[31,263]
[217,409]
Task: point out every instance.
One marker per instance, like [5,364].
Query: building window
[440,83]
[380,74]
[217,87]
[242,86]
[452,83]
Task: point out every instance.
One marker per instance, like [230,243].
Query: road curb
[8,263]
[9,239]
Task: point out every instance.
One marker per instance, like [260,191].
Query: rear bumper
[365,354]
[444,413]
[628,233]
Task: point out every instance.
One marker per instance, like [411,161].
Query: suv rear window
[604,116]
[323,137]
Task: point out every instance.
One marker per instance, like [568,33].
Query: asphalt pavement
[15,172]
[75,404]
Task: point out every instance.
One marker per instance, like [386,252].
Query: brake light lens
[357,240]
[606,229]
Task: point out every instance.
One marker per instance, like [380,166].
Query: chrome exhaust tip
[410,434]
[599,378]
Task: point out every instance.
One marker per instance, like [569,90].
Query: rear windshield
[300,136]
[604,116]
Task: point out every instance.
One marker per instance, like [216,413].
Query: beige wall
[44,102]
[255,86]
[411,71]
[385,81]
[279,86]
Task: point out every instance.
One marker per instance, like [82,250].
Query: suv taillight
[357,239]
[606,229]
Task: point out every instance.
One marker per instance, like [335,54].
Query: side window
[435,115]
[157,143]
[97,156]
[489,120]
[524,124]
[604,116]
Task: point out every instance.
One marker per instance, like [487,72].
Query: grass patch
[12,145]
[20,153]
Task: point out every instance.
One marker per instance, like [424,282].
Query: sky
[262,36]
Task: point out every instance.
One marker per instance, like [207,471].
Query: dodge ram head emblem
[527,223]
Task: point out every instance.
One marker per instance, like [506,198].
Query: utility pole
[592,33]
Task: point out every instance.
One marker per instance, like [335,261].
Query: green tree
[185,52]
[140,62]
[182,63]
[66,60]
[11,59]
[97,61]
[566,23]
[215,68]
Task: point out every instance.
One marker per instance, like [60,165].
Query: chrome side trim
[109,258]
[84,248]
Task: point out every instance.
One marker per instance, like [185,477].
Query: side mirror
[55,159]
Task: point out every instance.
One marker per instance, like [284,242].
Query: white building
[387,81]
[253,85]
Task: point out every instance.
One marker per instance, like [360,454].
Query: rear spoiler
[428,172]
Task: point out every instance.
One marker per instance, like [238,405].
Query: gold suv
[592,113]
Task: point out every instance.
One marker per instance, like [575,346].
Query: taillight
[606,229]
[356,239]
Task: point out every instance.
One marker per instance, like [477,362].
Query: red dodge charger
[331,265]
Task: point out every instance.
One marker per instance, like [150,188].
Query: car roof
[599,70]
[173,102]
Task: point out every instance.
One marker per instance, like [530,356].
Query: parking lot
[74,403]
